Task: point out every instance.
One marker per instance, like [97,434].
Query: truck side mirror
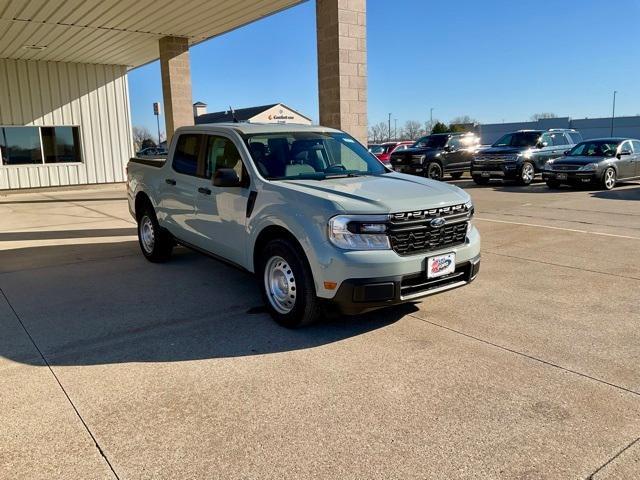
[566,152]
[542,144]
[226,177]
[448,148]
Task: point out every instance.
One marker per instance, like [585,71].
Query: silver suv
[318,219]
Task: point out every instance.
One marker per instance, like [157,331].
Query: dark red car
[384,151]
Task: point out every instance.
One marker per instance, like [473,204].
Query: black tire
[554,184]
[609,178]
[481,180]
[434,171]
[526,174]
[284,256]
[160,247]
[457,175]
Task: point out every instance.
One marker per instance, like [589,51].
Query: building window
[20,145]
[60,144]
[39,145]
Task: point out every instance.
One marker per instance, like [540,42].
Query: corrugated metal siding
[94,97]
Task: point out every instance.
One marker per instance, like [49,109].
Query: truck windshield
[311,155]
[432,141]
[518,139]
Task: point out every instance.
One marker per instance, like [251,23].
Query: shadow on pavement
[616,194]
[103,304]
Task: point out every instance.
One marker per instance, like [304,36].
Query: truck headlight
[359,232]
[589,167]
[471,209]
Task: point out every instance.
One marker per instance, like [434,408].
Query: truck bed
[151,162]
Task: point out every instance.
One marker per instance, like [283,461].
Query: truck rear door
[180,186]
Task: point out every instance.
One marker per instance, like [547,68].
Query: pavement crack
[612,459]
[526,355]
[73,406]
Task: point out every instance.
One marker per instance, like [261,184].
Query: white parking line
[558,228]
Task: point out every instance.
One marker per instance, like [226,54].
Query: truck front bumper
[364,294]
[365,280]
[506,170]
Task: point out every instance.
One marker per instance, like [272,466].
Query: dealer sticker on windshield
[441,265]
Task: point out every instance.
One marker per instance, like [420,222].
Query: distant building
[588,127]
[274,113]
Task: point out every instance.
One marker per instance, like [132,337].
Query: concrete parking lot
[113,367]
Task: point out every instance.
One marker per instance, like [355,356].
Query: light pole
[431,119]
[389,137]
[395,129]
[613,113]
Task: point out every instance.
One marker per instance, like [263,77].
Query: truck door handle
[204,191]
[170,181]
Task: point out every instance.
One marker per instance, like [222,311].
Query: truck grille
[511,157]
[413,232]
[405,159]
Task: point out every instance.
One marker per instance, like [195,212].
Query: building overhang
[118,32]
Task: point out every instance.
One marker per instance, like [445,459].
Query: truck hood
[503,150]
[388,193]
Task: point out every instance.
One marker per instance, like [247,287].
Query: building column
[342,65]
[176,83]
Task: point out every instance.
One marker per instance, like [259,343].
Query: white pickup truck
[319,220]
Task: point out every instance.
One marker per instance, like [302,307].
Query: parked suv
[317,218]
[438,154]
[521,155]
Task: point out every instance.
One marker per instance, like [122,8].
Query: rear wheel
[527,174]
[155,242]
[609,178]
[481,180]
[434,171]
[456,175]
[287,285]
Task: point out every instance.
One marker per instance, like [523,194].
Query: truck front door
[221,212]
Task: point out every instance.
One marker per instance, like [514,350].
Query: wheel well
[142,201]
[271,233]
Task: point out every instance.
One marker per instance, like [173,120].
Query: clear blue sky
[494,60]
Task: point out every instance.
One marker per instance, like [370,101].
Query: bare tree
[140,134]
[463,120]
[542,115]
[411,130]
[379,132]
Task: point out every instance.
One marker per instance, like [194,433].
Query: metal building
[64,100]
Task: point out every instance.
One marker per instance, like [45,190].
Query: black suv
[521,155]
[434,155]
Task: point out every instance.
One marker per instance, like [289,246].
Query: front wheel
[527,174]
[287,285]
[609,178]
[434,171]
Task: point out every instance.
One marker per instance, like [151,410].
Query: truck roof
[258,128]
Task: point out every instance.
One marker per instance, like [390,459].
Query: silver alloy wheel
[609,178]
[280,285]
[147,234]
[527,173]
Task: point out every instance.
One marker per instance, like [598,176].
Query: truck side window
[636,146]
[558,139]
[221,153]
[546,138]
[185,157]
